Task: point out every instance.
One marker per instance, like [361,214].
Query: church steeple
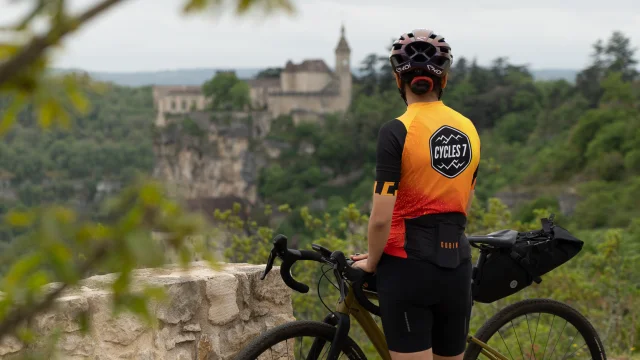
[343,46]
[343,70]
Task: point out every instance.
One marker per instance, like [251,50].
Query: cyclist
[426,168]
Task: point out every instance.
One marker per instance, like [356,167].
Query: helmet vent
[420,51]
[419,58]
[432,36]
[442,40]
[439,60]
[410,35]
[397,46]
[396,60]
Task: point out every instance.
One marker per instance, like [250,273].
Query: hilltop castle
[305,91]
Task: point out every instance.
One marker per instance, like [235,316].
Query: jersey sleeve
[389,157]
[475,173]
[475,177]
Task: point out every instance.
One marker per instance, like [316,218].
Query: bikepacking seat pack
[437,238]
[501,272]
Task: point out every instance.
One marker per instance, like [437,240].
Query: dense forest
[544,137]
[98,154]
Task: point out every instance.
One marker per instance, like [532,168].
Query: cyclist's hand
[358,257]
[364,265]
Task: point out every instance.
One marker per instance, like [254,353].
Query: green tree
[616,55]
[369,78]
[226,92]
[621,56]
[269,73]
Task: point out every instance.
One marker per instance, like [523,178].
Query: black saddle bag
[501,272]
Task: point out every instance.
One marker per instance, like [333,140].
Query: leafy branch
[24,313]
[33,51]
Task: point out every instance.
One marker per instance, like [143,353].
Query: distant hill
[165,77]
[199,76]
[555,74]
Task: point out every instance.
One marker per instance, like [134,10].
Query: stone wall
[207,315]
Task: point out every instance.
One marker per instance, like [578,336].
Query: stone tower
[343,69]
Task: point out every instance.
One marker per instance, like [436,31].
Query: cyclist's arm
[473,189]
[388,164]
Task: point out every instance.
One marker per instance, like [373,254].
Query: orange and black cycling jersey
[429,159]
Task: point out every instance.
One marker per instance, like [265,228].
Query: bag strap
[547,223]
[524,262]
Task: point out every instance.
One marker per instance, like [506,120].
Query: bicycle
[357,289]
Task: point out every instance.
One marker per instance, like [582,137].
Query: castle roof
[264,82]
[331,89]
[312,65]
[343,46]
[164,90]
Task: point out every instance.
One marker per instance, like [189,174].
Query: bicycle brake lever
[350,262]
[272,256]
[321,250]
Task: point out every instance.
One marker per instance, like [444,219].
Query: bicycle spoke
[518,340]
[561,332]
[505,344]
[547,343]
[526,316]
[578,349]
[535,334]
[570,343]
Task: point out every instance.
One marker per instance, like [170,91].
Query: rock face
[567,198]
[207,315]
[208,157]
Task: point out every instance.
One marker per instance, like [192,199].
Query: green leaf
[46,113]
[10,114]
[20,269]
[19,219]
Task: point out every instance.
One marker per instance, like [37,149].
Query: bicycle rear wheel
[288,341]
[518,332]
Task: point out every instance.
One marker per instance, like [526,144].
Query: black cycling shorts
[424,306]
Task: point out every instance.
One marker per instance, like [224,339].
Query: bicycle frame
[350,307]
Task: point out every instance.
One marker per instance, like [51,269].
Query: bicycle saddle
[502,238]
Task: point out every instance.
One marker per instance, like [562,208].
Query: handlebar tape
[285,270]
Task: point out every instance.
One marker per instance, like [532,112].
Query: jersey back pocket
[443,243]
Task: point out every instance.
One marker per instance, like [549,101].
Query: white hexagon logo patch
[450,151]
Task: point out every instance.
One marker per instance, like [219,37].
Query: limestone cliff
[211,160]
[208,315]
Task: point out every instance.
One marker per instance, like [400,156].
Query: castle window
[173,104]
[184,105]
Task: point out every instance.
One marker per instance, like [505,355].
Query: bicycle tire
[557,308]
[295,329]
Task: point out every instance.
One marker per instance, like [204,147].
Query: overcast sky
[146,35]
